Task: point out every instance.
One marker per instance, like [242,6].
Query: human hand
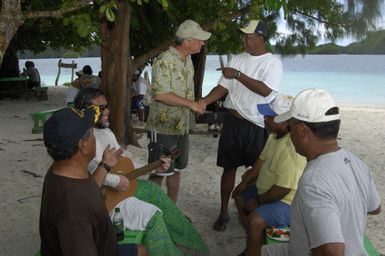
[229,73]
[247,172]
[238,190]
[109,156]
[124,183]
[199,106]
[202,103]
[166,162]
[119,152]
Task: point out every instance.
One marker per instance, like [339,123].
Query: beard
[102,125]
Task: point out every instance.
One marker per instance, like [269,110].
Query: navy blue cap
[66,127]
[279,105]
[266,110]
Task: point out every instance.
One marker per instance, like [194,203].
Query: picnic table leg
[26,90]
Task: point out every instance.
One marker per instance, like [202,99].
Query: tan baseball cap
[191,29]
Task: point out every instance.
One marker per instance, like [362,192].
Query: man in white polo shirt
[250,78]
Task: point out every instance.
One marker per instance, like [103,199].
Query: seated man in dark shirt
[73,217]
[33,75]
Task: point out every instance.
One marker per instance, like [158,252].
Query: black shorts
[240,143]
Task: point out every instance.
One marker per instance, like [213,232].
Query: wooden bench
[41,93]
[39,119]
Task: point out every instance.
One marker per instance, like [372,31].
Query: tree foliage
[154,21]
[151,25]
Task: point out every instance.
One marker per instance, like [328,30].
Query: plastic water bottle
[118,224]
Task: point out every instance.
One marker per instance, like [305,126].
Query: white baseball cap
[191,29]
[310,106]
[279,105]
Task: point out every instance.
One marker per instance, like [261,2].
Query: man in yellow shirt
[264,196]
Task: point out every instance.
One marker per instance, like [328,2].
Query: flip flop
[243,253]
[188,218]
[220,224]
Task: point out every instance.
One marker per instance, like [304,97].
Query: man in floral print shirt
[172,108]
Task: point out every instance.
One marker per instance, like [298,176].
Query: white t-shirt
[71,94]
[335,193]
[105,137]
[266,68]
[140,86]
[136,213]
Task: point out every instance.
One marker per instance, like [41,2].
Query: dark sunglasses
[103,107]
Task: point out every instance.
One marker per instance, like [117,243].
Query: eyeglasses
[103,107]
[248,36]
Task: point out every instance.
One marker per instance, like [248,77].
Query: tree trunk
[10,21]
[116,62]
[199,61]
[10,65]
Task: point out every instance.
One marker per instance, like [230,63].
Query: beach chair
[60,65]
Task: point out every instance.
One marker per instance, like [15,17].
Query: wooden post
[58,72]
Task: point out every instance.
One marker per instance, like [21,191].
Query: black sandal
[243,253]
[220,224]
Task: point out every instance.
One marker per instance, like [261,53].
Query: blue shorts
[275,214]
[128,250]
[137,102]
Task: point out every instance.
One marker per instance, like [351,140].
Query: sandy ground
[24,162]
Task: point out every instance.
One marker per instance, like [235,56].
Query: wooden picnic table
[20,81]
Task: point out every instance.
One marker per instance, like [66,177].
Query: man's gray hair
[179,40]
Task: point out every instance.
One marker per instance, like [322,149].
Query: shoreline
[25,162]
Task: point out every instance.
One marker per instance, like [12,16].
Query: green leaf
[113,5]
[110,15]
[165,4]
[103,8]
[82,30]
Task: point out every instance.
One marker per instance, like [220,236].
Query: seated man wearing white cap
[264,196]
[336,191]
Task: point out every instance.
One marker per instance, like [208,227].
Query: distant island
[374,43]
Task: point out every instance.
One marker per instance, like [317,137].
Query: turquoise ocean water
[354,80]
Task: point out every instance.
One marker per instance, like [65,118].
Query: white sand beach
[24,162]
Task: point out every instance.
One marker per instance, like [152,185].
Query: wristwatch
[105,166]
[237,74]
